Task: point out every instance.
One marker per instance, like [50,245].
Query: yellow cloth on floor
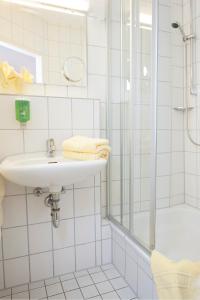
[12,80]
[175,280]
[85,144]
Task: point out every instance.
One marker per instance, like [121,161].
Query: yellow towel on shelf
[84,148]
[175,280]
[12,80]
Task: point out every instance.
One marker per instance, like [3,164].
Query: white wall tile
[39,117]
[64,260]
[11,142]
[35,140]
[59,113]
[11,205]
[84,229]
[40,237]
[131,273]
[84,202]
[96,32]
[82,114]
[119,258]
[85,256]
[97,67]
[106,252]
[41,266]
[37,211]
[15,242]
[1,276]
[67,205]
[7,113]
[12,275]
[64,235]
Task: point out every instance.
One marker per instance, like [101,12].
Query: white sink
[38,170]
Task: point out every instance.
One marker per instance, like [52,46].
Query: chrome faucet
[51,148]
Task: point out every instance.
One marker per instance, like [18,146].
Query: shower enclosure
[153,121]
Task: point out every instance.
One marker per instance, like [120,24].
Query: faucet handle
[51,147]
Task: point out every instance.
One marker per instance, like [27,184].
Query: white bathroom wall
[31,248]
[170,128]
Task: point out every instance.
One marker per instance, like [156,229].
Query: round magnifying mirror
[73,69]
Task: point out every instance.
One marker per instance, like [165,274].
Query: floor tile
[96,298]
[126,293]
[23,295]
[52,280]
[39,293]
[36,284]
[99,277]
[67,277]
[112,273]
[118,283]
[107,267]
[54,289]
[94,270]
[81,273]
[57,297]
[5,292]
[89,291]
[70,285]
[20,288]
[74,295]
[104,287]
[110,296]
[6,298]
[84,281]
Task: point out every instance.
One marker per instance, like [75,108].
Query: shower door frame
[154,87]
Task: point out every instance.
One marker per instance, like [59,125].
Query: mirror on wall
[50,45]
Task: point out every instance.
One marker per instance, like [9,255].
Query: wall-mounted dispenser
[22,109]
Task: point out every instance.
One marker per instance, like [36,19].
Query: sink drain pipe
[52,201]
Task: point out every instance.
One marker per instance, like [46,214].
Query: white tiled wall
[170,130]
[29,242]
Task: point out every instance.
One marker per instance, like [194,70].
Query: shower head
[176,25]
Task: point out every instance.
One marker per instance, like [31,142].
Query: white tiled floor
[97,283]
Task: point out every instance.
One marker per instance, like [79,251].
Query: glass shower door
[131,123]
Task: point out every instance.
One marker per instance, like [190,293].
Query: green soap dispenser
[22,109]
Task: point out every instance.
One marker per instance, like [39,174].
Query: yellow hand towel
[85,144]
[12,80]
[175,280]
[85,155]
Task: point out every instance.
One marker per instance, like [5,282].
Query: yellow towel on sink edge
[175,280]
[104,154]
[85,144]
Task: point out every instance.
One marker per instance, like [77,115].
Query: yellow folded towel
[12,80]
[175,280]
[84,148]
[84,144]
[85,155]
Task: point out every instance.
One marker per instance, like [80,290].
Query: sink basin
[38,170]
